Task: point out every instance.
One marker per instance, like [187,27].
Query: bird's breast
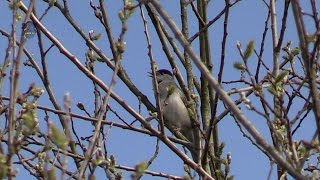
[175,112]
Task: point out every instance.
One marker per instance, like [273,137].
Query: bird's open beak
[150,74]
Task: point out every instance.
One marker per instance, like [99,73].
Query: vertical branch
[107,26]
[185,32]
[277,102]
[283,25]
[207,94]
[205,57]
[153,68]
[14,78]
[274,37]
[13,93]
[213,131]
[188,66]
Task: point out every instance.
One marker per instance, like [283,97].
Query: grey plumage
[175,112]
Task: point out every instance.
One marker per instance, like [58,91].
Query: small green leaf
[312,38]
[249,50]
[91,55]
[129,6]
[14,5]
[19,16]
[122,16]
[279,87]
[287,47]
[120,46]
[29,119]
[36,92]
[282,76]
[287,58]
[100,160]
[140,168]
[295,51]
[96,37]
[240,66]
[220,149]
[58,137]
[302,150]
[112,164]
[272,91]
[4,166]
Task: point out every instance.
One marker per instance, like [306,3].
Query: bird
[175,112]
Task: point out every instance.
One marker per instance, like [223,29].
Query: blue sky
[246,23]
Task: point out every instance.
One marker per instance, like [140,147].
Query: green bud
[96,37]
[19,17]
[120,46]
[91,55]
[271,90]
[240,66]
[36,91]
[4,166]
[100,160]
[129,5]
[295,51]
[14,5]
[29,118]
[140,168]
[58,137]
[112,163]
[282,76]
[249,50]
[287,58]
[287,47]
[312,38]
[122,16]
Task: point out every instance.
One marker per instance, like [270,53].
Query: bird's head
[164,74]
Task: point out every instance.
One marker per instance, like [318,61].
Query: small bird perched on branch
[175,112]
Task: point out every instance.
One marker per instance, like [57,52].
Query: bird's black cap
[164,71]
